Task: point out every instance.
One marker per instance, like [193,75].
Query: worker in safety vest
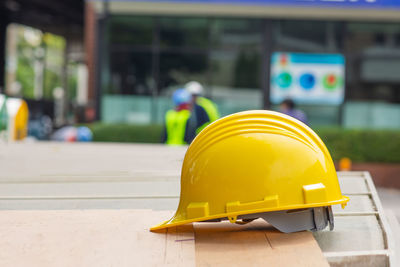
[205,111]
[178,127]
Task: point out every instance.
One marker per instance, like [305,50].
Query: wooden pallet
[362,236]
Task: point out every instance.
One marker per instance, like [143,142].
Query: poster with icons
[307,78]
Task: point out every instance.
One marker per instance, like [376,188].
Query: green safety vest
[211,110]
[176,125]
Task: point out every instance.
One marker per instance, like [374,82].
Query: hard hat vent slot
[197,210]
[268,202]
[314,193]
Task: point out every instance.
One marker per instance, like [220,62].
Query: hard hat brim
[177,220]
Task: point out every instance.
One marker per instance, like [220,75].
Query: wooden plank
[358,259]
[386,230]
[122,238]
[115,176]
[352,233]
[92,238]
[254,244]
[355,184]
[180,246]
[357,203]
[395,226]
[88,162]
[93,203]
[360,237]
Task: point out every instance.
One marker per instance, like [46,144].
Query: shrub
[359,145]
[362,145]
[126,133]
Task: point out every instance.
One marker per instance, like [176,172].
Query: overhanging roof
[56,16]
[377,10]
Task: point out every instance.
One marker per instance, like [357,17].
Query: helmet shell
[195,88]
[254,162]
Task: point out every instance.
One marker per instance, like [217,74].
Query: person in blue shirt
[288,107]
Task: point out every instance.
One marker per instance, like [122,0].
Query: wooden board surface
[91,238]
[56,176]
[121,238]
[254,244]
[69,162]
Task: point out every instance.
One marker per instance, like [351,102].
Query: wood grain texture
[60,162]
[92,238]
[122,238]
[59,176]
[254,244]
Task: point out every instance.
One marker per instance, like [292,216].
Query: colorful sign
[307,78]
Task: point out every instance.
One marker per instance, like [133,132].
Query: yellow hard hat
[258,164]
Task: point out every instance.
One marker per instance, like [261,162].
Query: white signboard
[307,78]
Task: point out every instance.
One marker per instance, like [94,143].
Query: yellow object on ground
[18,116]
[254,162]
[176,126]
[345,164]
[211,110]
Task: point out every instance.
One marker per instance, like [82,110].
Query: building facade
[145,50]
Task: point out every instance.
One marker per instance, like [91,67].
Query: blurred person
[179,128]
[205,111]
[288,107]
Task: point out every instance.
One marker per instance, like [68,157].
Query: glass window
[178,68]
[184,32]
[373,58]
[236,33]
[222,54]
[236,69]
[130,30]
[236,80]
[371,37]
[235,64]
[301,36]
[131,73]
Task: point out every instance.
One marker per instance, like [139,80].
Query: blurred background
[113,65]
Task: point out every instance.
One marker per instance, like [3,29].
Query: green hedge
[362,145]
[358,145]
[126,133]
